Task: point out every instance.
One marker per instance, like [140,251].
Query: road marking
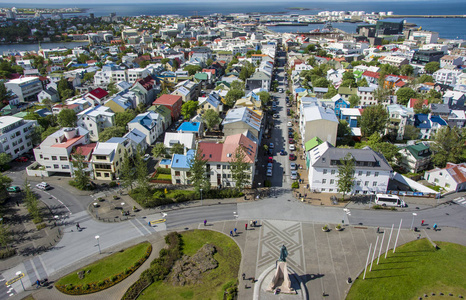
[59,201]
[137,228]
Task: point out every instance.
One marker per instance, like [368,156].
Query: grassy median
[414,270]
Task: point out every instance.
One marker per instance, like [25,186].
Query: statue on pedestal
[281,279]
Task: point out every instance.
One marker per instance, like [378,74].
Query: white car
[43,186]
[294,175]
[289,124]
[146,157]
[269,172]
[292,147]
[293,166]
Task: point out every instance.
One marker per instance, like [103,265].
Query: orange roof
[84,149]
[68,143]
[218,152]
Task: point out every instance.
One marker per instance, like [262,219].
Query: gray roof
[439,108]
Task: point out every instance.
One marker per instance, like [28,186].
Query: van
[389,200]
[43,186]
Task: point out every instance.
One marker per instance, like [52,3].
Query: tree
[5,158]
[232,96]
[353,100]
[239,167]
[209,62]
[381,94]
[188,109]
[123,118]
[431,67]
[32,203]
[320,82]
[4,94]
[63,89]
[388,150]
[448,146]
[159,150]
[345,175]
[67,118]
[237,85]
[211,118]
[5,182]
[426,78]
[344,135]
[264,96]
[109,132]
[127,171]
[363,83]
[89,77]
[404,94]
[112,89]
[5,236]
[374,119]
[411,132]
[197,168]
[81,178]
[407,70]
[140,170]
[177,149]
[192,69]
[332,91]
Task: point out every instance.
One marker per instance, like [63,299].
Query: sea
[448,28]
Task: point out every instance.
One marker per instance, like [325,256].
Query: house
[452,178]
[196,128]
[15,138]
[180,167]
[219,156]
[371,170]
[172,102]
[351,115]
[86,151]
[347,92]
[149,123]
[49,93]
[258,80]
[399,117]
[415,158]
[449,77]
[188,90]
[26,88]
[451,60]
[454,99]
[97,96]
[54,153]
[107,158]
[457,118]
[212,101]
[396,61]
[188,139]
[147,88]
[366,96]
[317,121]
[95,119]
[339,103]
[320,92]
[428,124]
[122,102]
[439,110]
[137,139]
[164,113]
[243,120]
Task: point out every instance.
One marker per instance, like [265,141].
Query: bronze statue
[283,254]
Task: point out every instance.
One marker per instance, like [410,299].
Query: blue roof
[136,136]
[181,160]
[144,120]
[165,161]
[190,127]
[438,120]
[422,121]
[123,102]
[117,140]
[299,90]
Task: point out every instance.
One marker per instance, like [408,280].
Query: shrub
[163,171]
[112,184]
[392,208]
[86,287]
[5,253]
[377,206]
[37,220]
[295,185]
[41,226]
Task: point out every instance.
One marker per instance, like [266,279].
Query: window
[63,158]
[224,175]
[332,172]
[436,180]
[366,183]
[224,167]
[360,173]
[368,173]
[101,157]
[106,175]
[332,181]
[325,171]
[229,176]
[218,167]
[324,180]
[177,173]
[54,158]
[376,174]
[358,182]
[56,166]
[178,181]
[65,167]
[374,183]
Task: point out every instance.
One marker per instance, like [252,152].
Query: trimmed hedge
[159,267]
[94,287]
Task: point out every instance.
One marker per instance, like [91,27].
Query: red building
[172,102]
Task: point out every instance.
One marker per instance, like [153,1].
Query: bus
[389,200]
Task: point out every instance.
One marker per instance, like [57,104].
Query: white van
[389,200]
[43,186]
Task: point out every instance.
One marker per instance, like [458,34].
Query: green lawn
[163,176]
[108,266]
[414,270]
[228,256]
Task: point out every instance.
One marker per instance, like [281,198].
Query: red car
[21,159]
[291,141]
[270,159]
[292,156]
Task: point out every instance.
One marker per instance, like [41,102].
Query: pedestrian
[435,226]
[244,276]
[250,223]
[255,223]
[234,230]
[37,283]
[78,227]
[17,203]
[231,233]
[253,279]
[422,223]
[305,195]
[205,222]
[378,229]
[246,226]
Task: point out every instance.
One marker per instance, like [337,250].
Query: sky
[72,3]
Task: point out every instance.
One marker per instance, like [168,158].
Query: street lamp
[20,278]
[98,243]
[201,196]
[412,222]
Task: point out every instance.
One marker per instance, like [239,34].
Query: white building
[188,139]
[54,152]
[26,88]
[451,178]
[371,170]
[15,135]
[399,116]
[149,123]
[447,76]
[318,121]
[95,119]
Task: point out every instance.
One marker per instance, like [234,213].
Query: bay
[35,47]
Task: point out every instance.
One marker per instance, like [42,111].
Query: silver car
[294,175]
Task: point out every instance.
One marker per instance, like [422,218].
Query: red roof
[99,93]
[167,99]
[147,83]
[413,101]
[400,83]
[84,150]
[457,171]
[211,151]
[209,71]
[371,74]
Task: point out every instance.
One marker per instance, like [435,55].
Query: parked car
[21,159]
[282,152]
[290,129]
[289,124]
[292,147]
[275,116]
[271,146]
[269,165]
[290,134]
[270,159]
[146,157]
[269,172]
[13,189]
[288,112]
[291,141]
[293,166]
[292,156]
[294,175]
[43,186]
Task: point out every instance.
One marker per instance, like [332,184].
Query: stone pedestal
[281,280]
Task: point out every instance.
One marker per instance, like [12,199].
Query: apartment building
[15,136]
[95,119]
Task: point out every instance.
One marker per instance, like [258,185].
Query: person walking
[378,229]
[422,223]
[234,230]
[78,227]
[37,283]
[246,226]
[205,222]
[231,233]
[435,226]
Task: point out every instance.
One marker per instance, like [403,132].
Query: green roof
[312,143]
[347,91]
[201,76]
[21,114]
[419,150]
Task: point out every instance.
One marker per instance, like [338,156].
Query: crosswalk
[460,201]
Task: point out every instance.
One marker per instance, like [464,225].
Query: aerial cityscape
[218,150]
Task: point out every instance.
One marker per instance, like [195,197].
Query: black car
[290,135]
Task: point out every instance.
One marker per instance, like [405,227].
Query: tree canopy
[373,120]
[211,118]
[192,69]
[67,118]
[448,146]
[188,109]
[431,67]
[123,118]
[404,94]
[345,175]
[109,132]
